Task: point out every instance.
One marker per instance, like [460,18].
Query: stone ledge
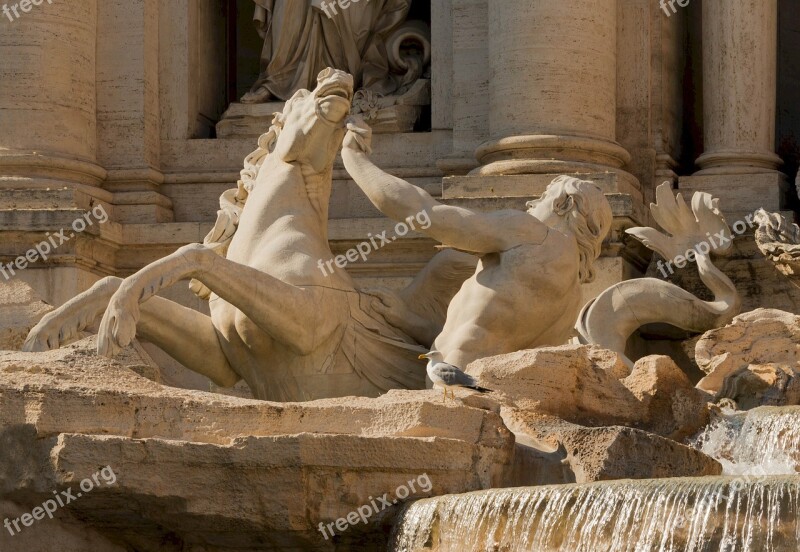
[740,192]
[221,471]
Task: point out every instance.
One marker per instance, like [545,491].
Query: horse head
[312,125]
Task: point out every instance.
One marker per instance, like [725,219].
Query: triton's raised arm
[455,226]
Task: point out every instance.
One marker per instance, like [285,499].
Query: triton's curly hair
[588,215]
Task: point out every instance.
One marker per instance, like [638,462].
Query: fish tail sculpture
[611,318]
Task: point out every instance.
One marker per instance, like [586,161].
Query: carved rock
[754,360]
[20,309]
[586,454]
[591,386]
[180,456]
[779,240]
[611,318]
[331,342]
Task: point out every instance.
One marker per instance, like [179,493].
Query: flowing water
[753,508]
[763,441]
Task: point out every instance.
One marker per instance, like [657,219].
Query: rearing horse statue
[290,331]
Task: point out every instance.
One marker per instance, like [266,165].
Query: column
[128,108]
[740,41]
[469,84]
[553,89]
[49,173]
[48,109]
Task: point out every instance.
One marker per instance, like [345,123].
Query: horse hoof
[118,327]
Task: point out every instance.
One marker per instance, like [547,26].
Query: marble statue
[525,292]
[779,240]
[300,40]
[693,234]
[291,332]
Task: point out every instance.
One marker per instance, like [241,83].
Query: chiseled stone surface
[21,308]
[196,468]
[753,360]
[588,385]
[585,454]
[49,535]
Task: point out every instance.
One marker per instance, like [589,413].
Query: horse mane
[232,201]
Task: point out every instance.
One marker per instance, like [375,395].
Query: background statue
[300,40]
[779,241]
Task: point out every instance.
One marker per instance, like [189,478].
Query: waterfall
[669,515]
[762,441]
[754,507]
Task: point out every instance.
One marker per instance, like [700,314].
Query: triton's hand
[359,135]
[389,305]
[396,312]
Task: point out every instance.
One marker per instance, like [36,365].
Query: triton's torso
[528,296]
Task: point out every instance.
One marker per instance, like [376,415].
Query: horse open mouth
[335,91]
[333,102]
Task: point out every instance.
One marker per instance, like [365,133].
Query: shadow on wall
[788,117]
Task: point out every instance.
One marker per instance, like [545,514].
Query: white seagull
[448,375]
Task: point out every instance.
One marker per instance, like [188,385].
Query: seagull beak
[423,357]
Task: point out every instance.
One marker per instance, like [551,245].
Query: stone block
[586,454]
[740,192]
[200,468]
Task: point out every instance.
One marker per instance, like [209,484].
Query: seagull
[448,375]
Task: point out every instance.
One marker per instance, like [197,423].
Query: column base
[732,162]
[527,154]
[29,168]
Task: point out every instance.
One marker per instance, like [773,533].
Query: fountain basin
[745,514]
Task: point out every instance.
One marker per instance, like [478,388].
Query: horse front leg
[186,335]
[64,323]
[294,316]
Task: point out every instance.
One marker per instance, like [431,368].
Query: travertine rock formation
[64,534]
[588,385]
[21,308]
[586,454]
[753,360]
[671,405]
[196,468]
[224,473]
